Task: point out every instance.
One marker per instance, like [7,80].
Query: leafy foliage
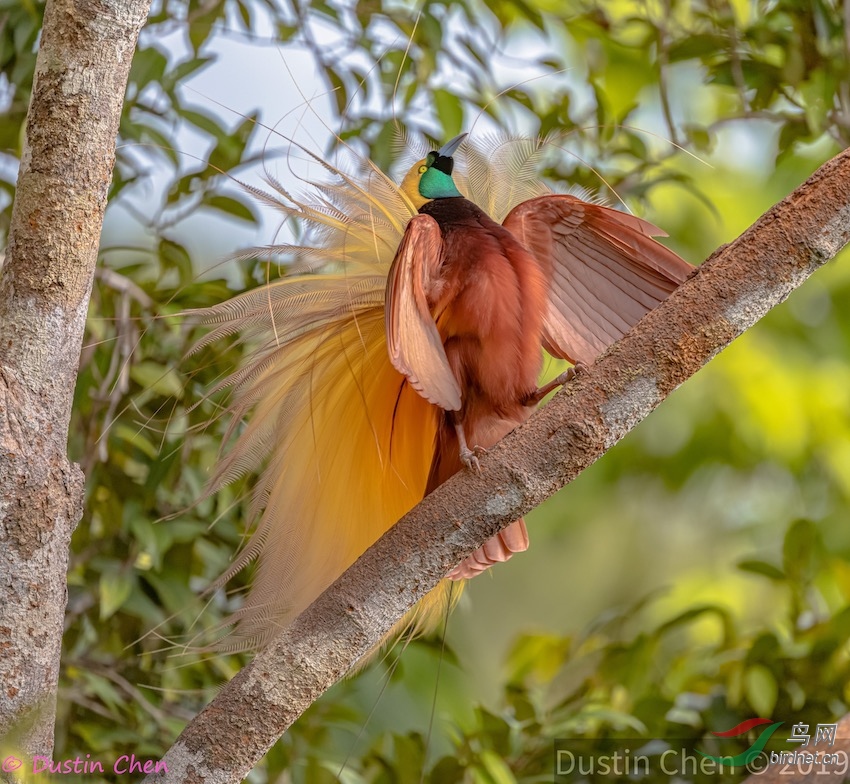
[631,677]
[686,513]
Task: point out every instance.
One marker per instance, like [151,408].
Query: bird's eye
[423,169]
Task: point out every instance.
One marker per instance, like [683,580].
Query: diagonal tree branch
[727,295]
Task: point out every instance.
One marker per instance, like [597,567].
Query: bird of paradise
[406,341]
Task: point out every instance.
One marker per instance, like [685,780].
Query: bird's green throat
[437,182]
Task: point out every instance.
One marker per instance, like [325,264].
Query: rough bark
[66,167]
[726,296]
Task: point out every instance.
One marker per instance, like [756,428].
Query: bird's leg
[469,457]
[568,375]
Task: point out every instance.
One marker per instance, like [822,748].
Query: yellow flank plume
[343,443]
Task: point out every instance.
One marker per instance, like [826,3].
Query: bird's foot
[568,375]
[469,457]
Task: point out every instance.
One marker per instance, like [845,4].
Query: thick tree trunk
[66,167]
[725,297]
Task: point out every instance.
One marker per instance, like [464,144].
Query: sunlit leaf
[115,587]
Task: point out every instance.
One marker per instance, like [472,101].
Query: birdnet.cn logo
[805,754]
[752,753]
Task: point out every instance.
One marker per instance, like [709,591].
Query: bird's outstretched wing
[605,270]
[414,344]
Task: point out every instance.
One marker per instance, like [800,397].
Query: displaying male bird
[412,342]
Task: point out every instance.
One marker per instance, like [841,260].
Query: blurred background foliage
[696,576]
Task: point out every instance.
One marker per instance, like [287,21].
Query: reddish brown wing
[605,271]
[413,341]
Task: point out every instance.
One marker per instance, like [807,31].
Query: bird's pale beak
[449,148]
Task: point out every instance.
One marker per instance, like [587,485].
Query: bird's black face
[443,163]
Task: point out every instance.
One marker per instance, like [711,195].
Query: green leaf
[24,33]
[693,613]
[158,378]
[244,13]
[763,568]
[114,589]
[409,757]
[447,771]
[761,689]
[159,141]
[538,654]
[185,69]
[148,66]
[339,92]
[232,207]
[103,689]
[695,46]
[134,436]
[699,136]
[801,551]
[496,729]
[173,592]
[175,256]
[199,31]
[229,150]
[793,130]
[286,31]
[449,111]
[162,467]
[206,122]
[497,770]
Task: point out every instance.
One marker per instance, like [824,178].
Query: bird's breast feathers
[490,302]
